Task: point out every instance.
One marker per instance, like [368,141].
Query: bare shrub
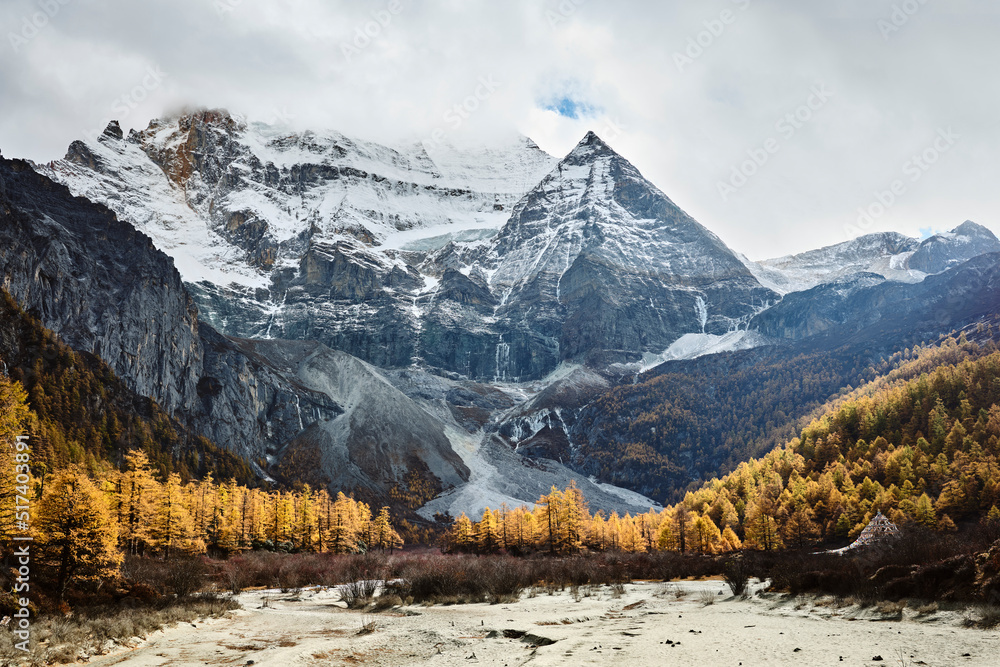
[442,580]
[187,577]
[359,594]
[736,574]
[502,578]
[292,576]
[254,569]
[181,576]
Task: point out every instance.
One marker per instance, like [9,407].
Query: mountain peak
[947,249]
[970,228]
[113,130]
[589,148]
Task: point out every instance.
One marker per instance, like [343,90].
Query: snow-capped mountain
[418,309]
[893,256]
[596,262]
[493,263]
[948,249]
[230,201]
[393,255]
[300,235]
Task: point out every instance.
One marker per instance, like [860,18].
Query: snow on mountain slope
[694,345]
[598,261]
[121,176]
[230,201]
[500,476]
[883,253]
[893,256]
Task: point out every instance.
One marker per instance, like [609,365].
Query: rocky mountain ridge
[891,255]
[300,410]
[481,299]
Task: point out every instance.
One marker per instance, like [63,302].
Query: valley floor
[650,624]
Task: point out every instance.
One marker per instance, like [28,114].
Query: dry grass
[368,625]
[386,602]
[90,632]
[890,610]
[985,616]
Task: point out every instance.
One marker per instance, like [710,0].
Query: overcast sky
[828,101]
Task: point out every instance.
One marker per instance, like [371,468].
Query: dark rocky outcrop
[867,302]
[99,284]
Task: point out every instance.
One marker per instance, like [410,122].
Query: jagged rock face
[943,251]
[99,284]
[596,263]
[291,235]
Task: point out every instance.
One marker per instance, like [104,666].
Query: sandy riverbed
[650,624]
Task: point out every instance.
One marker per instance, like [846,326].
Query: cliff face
[100,284]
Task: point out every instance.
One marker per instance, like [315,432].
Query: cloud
[395,70]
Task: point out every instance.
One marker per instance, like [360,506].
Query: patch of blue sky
[571,108]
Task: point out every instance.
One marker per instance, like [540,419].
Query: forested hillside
[694,420]
[96,472]
[920,444]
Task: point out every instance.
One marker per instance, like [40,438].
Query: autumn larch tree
[76,535]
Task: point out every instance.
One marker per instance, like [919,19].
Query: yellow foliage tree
[15,472]
[172,529]
[76,534]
